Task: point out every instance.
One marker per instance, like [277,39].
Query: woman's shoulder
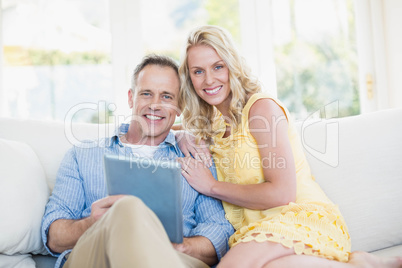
[262,104]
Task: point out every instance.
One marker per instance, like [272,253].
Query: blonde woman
[281,216]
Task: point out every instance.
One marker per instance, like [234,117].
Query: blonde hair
[198,114]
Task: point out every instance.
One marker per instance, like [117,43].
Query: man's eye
[145,94]
[167,97]
[218,67]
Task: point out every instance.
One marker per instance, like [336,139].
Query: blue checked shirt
[80,182]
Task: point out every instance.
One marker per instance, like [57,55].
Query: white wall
[256,33]
[393,44]
[380,57]
[372,61]
[2,95]
[126,48]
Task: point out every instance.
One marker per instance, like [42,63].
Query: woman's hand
[197,175]
[189,147]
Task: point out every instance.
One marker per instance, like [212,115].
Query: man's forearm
[64,234]
[198,247]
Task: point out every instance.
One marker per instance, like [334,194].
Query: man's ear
[130,98]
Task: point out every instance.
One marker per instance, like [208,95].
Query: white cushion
[17,261]
[358,163]
[23,196]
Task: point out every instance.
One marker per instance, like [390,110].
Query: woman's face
[209,75]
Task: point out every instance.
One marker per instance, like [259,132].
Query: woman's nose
[209,79]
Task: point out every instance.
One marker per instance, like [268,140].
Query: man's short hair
[153,59]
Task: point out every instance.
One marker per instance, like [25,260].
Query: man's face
[154,103]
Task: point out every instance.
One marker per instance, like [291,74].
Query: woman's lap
[254,254]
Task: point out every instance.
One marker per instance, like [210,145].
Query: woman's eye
[219,67]
[198,72]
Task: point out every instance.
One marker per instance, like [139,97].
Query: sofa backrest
[50,140]
[356,160]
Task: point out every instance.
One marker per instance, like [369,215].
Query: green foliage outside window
[17,56]
[56,57]
[225,13]
[312,74]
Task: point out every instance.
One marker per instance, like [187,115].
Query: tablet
[157,183]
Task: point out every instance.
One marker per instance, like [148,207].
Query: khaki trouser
[128,235]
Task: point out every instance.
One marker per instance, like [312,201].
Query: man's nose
[155,104]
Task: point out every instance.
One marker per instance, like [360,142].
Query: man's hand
[101,206]
[64,234]
[198,247]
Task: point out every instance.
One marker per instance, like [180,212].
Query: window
[315,55]
[62,53]
[57,53]
[179,17]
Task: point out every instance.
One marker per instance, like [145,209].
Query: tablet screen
[157,183]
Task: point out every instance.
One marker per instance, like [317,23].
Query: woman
[281,216]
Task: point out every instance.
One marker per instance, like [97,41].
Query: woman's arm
[268,125]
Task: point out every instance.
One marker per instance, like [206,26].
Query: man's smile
[153,117]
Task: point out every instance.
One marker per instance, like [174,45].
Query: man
[118,231]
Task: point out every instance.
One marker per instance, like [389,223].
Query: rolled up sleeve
[211,222]
[67,199]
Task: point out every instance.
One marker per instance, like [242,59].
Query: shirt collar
[170,139]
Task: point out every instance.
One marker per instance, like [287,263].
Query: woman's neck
[224,108]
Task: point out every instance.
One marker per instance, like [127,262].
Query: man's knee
[128,205]
[131,215]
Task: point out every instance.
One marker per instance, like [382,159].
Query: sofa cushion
[44,261]
[23,195]
[17,261]
[392,251]
[357,162]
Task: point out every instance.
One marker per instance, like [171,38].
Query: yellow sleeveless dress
[312,225]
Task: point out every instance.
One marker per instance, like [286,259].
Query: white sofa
[357,161]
